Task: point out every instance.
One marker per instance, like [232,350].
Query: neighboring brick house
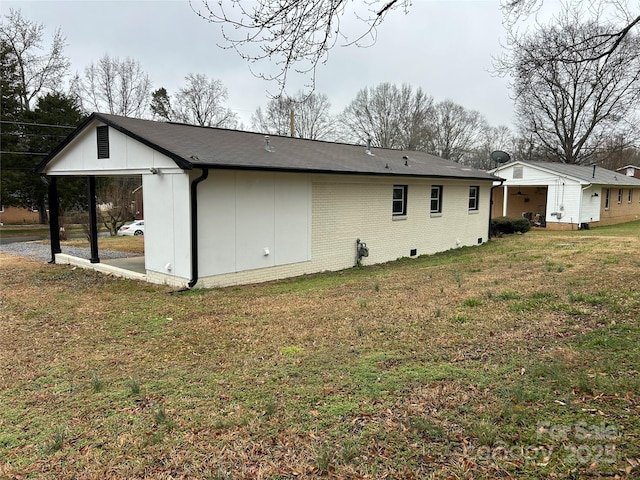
[562,196]
[15,215]
[630,171]
[227,207]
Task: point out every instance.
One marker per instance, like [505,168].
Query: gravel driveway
[42,252]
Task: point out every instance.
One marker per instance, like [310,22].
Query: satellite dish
[500,157]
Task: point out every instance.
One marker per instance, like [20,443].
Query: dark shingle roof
[585,173]
[192,147]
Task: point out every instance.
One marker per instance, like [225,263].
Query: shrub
[506,225]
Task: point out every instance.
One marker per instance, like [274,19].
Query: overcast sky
[443,46]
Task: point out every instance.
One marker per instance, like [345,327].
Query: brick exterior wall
[622,212]
[349,208]
[16,215]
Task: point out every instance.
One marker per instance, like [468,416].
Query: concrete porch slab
[131,267]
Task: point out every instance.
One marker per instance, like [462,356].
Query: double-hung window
[630,195]
[619,195]
[474,195]
[399,205]
[436,198]
[607,198]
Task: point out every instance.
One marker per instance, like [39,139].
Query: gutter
[194,227]
[502,180]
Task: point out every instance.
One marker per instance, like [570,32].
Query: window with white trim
[436,198]
[474,195]
[607,198]
[619,195]
[630,195]
[399,204]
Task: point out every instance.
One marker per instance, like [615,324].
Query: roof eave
[489,178]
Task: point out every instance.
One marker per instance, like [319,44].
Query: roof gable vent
[102,134]
[518,172]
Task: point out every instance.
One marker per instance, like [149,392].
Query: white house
[562,196]
[226,207]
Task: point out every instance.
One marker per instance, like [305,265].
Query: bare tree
[39,70]
[618,18]
[275,119]
[415,111]
[391,117]
[569,97]
[489,140]
[115,86]
[200,102]
[311,114]
[115,202]
[616,152]
[455,131]
[296,35]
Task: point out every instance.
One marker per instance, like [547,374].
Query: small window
[619,195]
[1,208]
[474,193]
[607,198]
[630,195]
[436,199]
[103,141]
[518,172]
[399,200]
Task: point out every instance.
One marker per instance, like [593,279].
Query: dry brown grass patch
[397,371]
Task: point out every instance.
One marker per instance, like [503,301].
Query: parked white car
[134,228]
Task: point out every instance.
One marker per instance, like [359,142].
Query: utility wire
[37,124]
[22,153]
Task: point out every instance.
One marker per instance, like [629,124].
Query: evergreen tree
[12,136]
[53,116]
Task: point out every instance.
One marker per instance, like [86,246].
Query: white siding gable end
[127,156]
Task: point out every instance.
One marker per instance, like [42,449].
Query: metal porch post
[93,220]
[54,222]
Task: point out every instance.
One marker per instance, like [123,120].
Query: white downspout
[580,204]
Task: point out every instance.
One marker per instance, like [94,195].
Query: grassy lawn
[131,244]
[33,230]
[516,359]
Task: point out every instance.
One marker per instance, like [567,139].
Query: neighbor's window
[607,198]
[619,195]
[474,193]
[630,195]
[399,200]
[103,141]
[436,199]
